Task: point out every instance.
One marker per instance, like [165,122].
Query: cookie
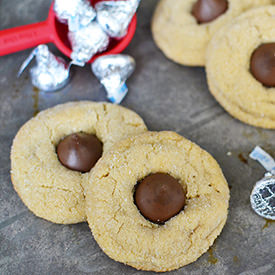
[47,187]
[183,29]
[239,67]
[156,227]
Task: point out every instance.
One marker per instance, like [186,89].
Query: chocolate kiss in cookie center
[159,197]
[79,151]
[208,10]
[262,64]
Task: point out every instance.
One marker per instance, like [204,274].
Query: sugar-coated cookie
[156,201]
[241,67]
[53,190]
[183,29]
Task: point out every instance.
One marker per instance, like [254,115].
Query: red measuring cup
[52,31]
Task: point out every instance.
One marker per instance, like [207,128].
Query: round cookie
[118,226]
[228,67]
[49,189]
[181,37]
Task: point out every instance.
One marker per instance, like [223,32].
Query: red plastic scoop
[52,31]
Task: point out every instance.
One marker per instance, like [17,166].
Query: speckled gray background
[168,97]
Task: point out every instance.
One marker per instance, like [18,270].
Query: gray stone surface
[168,97]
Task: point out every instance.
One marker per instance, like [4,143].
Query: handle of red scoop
[24,37]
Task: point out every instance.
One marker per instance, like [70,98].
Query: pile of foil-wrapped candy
[90,32]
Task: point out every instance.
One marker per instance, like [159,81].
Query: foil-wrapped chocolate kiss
[115,16]
[112,71]
[86,42]
[262,197]
[75,13]
[50,73]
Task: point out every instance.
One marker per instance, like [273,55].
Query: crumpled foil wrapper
[50,73]
[112,71]
[262,197]
[86,42]
[115,16]
[75,13]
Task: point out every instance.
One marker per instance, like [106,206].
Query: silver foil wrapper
[86,42]
[112,71]
[75,13]
[50,73]
[262,197]
[115,16]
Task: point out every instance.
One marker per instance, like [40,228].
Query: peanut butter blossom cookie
[183,29]
[52,153]
[156,201]
[241,67]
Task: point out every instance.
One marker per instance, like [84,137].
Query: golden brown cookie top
[231,67]
[46,186]
[183,29]
[128,236]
